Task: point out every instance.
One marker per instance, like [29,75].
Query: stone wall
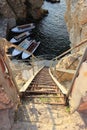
[76,20]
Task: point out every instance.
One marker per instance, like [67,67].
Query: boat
[20,37]
[24,44]
[53,1]
[23,28]
[31,49]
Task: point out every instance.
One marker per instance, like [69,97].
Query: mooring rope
[69,50]
[19,48]
[64,53]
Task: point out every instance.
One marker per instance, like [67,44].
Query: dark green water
[52,31]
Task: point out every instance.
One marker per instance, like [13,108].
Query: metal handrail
[55,62]
[66,52]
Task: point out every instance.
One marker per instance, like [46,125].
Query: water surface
[52,31]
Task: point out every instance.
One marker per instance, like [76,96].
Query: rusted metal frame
[40,92]
[33,83]
[44,96]
[46,87]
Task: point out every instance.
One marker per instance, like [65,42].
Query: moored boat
[23,28]
[24,44]
[31,49]
[20,37]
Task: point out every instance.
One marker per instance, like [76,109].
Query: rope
[64,53]
[19,48]
[69,66]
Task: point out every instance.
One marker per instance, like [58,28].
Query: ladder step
[44,96]
[40,92]
[49,87]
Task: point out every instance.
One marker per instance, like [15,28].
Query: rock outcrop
[20,9]
[76,20]
[12,8]
[9,97]
[34,8]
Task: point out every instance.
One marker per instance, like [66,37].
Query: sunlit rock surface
[76,20]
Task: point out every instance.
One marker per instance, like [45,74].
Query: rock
[9,97]
[21,9]
[76,20]
[34,9]
[3,27]
[11,23]
[67,61]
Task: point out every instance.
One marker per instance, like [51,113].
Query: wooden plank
[41,92]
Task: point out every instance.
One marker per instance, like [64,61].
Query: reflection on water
[52,31]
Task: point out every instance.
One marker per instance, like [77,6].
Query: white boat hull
[27,55]
[13,40]
[25,44]
[17,30]
[20,37]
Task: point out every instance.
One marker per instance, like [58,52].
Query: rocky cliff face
[34,9]
[13,8]
[76,20]
[21,8]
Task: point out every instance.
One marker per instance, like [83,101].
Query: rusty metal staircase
[43,86]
